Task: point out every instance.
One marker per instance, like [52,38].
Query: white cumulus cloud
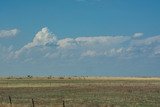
[137,35]
[148,41]
[66,43]
[8,33]
[101,40]
[42,38]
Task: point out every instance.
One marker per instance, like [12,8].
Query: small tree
[29,76]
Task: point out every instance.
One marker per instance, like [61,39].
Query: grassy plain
[80,92]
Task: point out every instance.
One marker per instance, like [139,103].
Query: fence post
[63,103]
[33,103]
[10,100]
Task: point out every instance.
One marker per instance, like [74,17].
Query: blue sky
[80,37]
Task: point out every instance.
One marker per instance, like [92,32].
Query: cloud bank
[8,33]
[46,45]
[99,53]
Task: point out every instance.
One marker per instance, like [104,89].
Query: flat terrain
[80,92]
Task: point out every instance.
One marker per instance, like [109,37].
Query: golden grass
[80,91]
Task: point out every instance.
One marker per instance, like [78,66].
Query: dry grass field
[79,92]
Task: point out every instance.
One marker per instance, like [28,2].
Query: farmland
[80,92]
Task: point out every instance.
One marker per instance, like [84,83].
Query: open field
[80,92]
